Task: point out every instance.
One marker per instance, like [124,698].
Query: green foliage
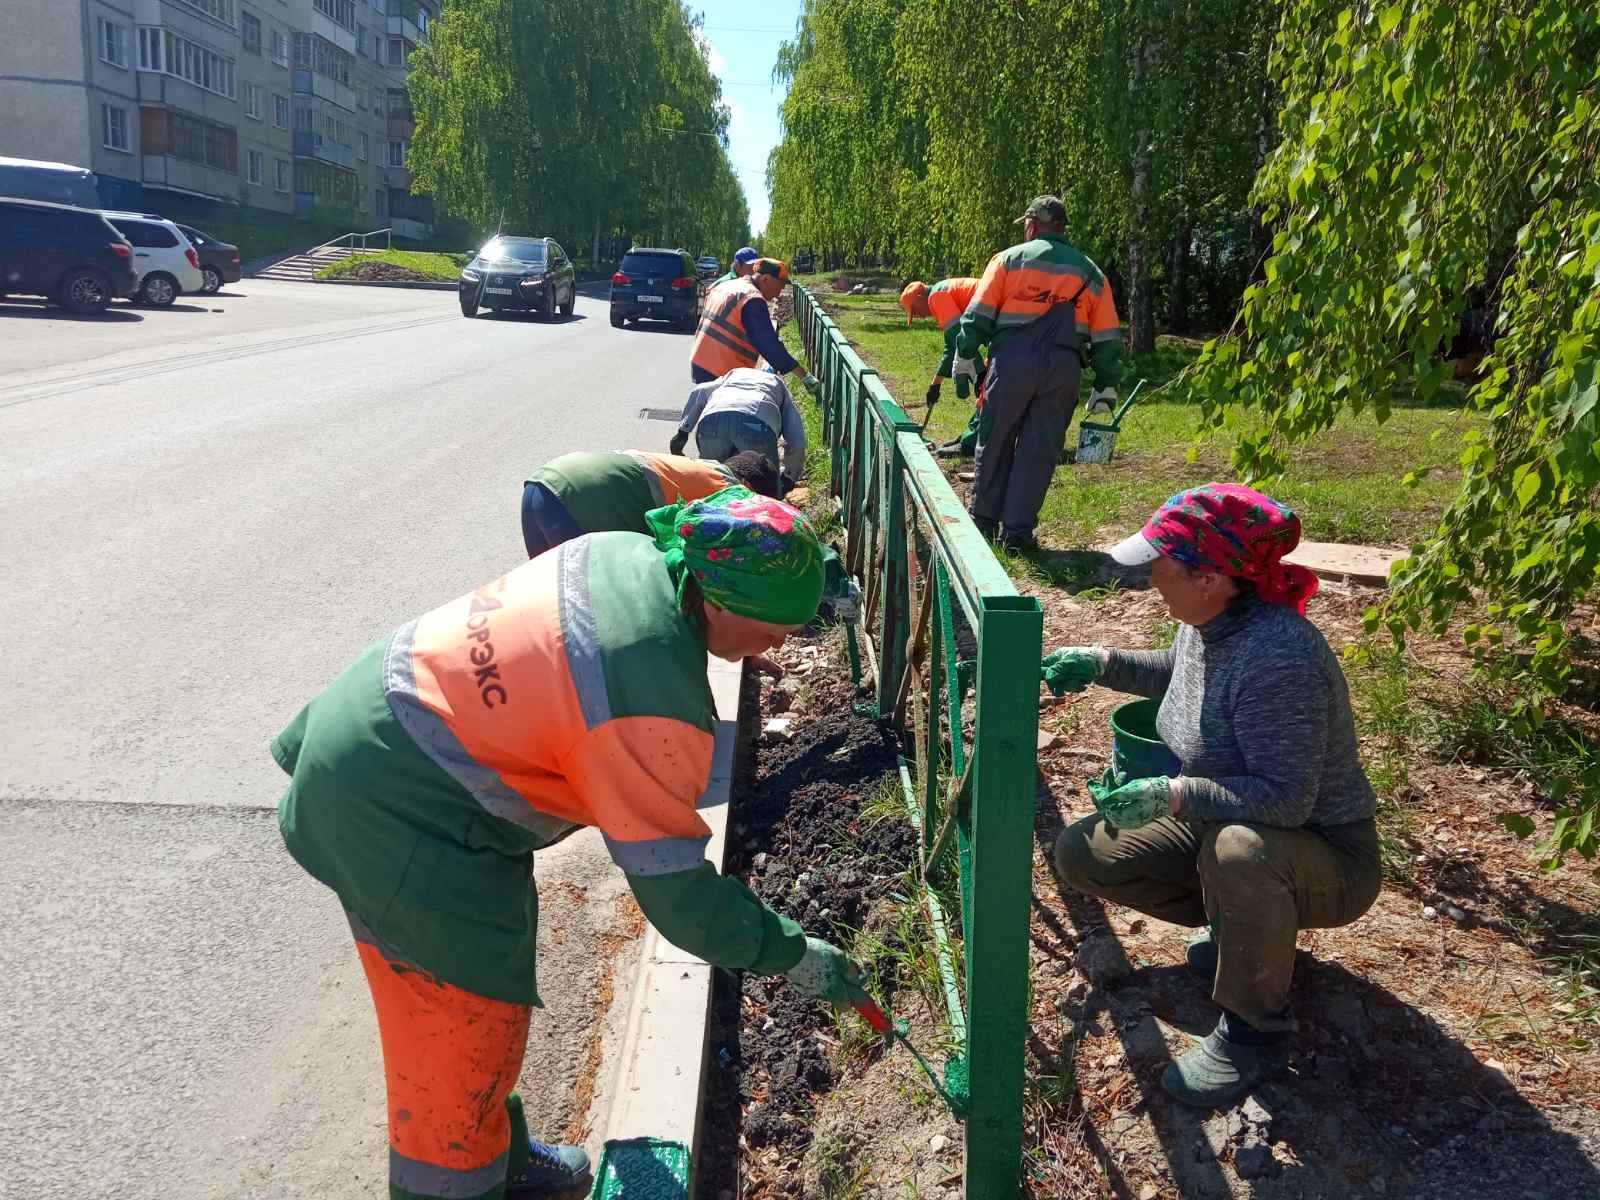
[574,120]
[1430,148]
[915,133]
[427,263]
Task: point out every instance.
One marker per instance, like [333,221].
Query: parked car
[71,256]
[804,261]
[707,266]
[219,261]
[59,183]
[168,266]
[660,284]
[526,274]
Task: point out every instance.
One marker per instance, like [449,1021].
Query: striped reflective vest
[569,692]
[949,298]
[720,343]
[606,490]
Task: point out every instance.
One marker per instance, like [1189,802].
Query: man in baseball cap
[744,258]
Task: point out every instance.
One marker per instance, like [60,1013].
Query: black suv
[661,284]
[804,261]
[524,274]
[71,256]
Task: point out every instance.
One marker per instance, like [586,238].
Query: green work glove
[1132,804]
[826,973]
[1072,668]
[813,384]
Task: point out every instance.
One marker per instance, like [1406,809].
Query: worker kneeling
[1266,826]
[570,692]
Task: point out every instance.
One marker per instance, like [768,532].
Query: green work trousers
[1257,886]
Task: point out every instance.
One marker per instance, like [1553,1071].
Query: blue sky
[743,42]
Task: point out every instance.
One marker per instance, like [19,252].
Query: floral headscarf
[751,555]
[1233,529]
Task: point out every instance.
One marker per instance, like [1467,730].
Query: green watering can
[1097,441]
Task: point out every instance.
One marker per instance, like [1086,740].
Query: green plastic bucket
[1137,751]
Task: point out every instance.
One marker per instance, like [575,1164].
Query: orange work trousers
[450,1059]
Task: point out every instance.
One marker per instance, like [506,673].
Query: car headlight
[470,275]
[532,280]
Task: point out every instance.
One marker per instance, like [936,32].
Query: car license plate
[498,291]
[648,299]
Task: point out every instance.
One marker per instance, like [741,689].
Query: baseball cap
[912,292]
[774,267]
[1048,209]
[746,254]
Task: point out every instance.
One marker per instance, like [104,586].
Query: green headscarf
[751,555]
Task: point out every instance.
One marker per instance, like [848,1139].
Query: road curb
[421,285]
[660,1058]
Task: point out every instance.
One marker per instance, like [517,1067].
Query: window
[364,148]
[182,136]
[377,101]
[342,11]
[397,153]
[250,32]
[399,103]
[252,100]
[164,51]
[221,10]
[252,167]
[280,48]
[280,111]
[111,40]
[361,41]
[114,128]
[397,52]
[146,235]
[322,56]
[281,179]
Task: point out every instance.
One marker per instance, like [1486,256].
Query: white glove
[1102,402]
[965,368]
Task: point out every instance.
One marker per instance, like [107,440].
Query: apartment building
[290,107]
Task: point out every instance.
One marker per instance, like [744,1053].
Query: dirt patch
[802,1101]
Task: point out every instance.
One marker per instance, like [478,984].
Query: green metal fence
[952,658]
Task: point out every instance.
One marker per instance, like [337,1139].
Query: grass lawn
[1345,484]
[427,264]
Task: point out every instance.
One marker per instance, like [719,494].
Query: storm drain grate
[661,414]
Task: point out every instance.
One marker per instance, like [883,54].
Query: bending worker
[745,409]
[603,491]
[736,326]
[1266,828]
[1036,306]
[744,260]
[570,692]
[945,301]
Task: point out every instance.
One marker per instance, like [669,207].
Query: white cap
[1134,551]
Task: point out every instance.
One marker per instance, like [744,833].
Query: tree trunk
[1141,304]
[1178,300]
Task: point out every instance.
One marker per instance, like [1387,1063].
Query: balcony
[309,83]
[401,126]
[404,27]
[331,31]
[313,145]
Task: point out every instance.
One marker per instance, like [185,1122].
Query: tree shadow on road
[22,310]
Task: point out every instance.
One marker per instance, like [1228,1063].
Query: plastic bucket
[1096,443]
[1137,751]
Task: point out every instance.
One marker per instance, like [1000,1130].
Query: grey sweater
[1256,706]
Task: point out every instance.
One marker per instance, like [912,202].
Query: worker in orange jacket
[1045,311]
[945,301]
[736,326]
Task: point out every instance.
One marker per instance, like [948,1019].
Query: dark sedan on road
[219,261]
[519,274]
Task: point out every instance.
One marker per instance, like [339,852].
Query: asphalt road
[205,512]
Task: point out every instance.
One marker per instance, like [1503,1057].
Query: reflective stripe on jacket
[720,344]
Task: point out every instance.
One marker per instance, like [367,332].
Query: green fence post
[1004,744]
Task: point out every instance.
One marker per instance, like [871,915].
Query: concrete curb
[421,285]
[660,1060]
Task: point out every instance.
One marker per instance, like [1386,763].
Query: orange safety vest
[949,298]
[720,343]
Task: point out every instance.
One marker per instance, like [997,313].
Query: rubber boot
[1202,955]
[552,1170]
[1226,1064]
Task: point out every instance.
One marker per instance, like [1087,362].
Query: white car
[167,264]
